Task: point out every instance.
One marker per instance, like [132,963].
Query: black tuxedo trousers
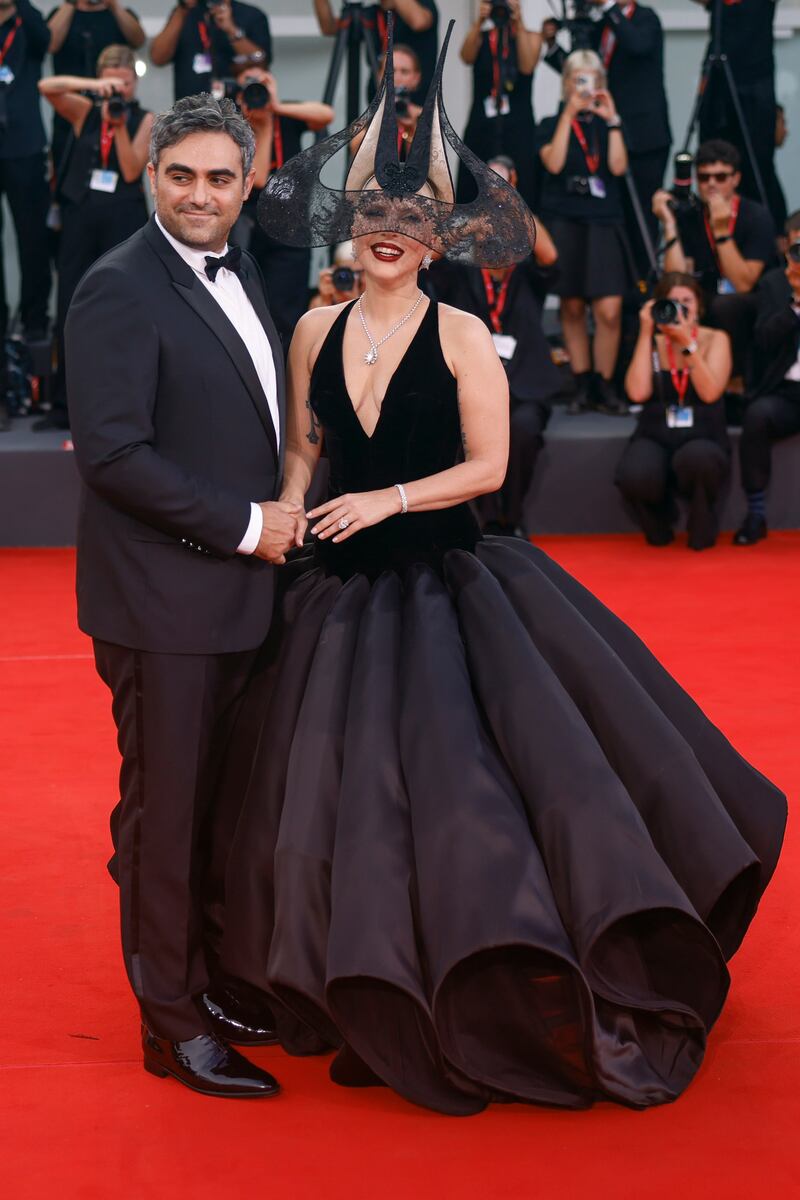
[173,438]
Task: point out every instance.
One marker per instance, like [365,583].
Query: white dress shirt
[230,295]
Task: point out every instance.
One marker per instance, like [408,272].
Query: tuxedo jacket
[777,332]
[635,76]
[173,440]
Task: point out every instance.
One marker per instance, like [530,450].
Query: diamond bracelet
[403,498]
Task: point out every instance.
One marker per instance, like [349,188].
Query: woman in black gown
[489,849]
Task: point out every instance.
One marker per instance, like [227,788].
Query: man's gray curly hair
[202,114]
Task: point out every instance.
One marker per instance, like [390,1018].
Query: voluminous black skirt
[593,260]
[489,849]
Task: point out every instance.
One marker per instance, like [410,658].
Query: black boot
[607,399]
[752,530]
[581,401]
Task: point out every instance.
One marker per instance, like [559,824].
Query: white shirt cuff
[249,543]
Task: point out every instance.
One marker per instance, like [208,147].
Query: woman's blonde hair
[582,60]
[116,56]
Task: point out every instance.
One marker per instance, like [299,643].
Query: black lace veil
[381,194]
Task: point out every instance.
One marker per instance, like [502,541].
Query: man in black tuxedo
[774,413]
[176,394]
[630,40]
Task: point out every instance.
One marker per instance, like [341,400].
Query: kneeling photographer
[723,238]
[278,127]
[679,372]
[100,189]
[774,412]
[342,281]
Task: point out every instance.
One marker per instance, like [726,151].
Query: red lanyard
[383,30]
[494,39]
[205,36]
[593,159]
[277,144]
[608,40]
[496,299]
[680,379]
[9,42]
[735,202]
[106,141]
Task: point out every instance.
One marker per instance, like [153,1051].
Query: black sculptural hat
[383,195]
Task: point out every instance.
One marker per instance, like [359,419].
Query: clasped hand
[284,525]
[358,509]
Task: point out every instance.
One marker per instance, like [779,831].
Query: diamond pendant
[371,357]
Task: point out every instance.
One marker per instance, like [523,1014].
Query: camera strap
[608,39]
[593,159]
[735,202]
[277,144]
[9,42]
[496,298]
[498,51]
[106,142]
[680,379]
[205,36]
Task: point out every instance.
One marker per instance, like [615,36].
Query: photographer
[101,192]
[583,153]
[774,413]
[509,301]
[680,442]
[406,86]
[342,281]
[503,55]
[278,127]
[79,32]
[24,38]
[211,39]
[630,41]
[725,239]
[416,25]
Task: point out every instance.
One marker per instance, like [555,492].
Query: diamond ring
[343,523]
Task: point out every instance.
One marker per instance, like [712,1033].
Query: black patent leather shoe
[237,1021]
[206,1065]
[752,530]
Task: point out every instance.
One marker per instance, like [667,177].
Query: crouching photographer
[678,372]
[722,237]
[342,281]
[278,127]
[774,412]
[100,188]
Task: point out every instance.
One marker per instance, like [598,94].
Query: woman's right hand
[106,87]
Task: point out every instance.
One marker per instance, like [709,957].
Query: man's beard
[213,235]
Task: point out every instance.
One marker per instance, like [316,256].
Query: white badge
[725,287]
[103,181]
[505,345]
[6,74]
[491,109]
[597,187]
[201,64]
[680,416]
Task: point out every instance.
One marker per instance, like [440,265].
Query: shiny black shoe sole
[163,1073]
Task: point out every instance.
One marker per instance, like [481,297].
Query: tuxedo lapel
[191,290]
[253,284]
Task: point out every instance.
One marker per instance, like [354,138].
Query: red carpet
[80,1119]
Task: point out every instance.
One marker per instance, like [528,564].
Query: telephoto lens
[401,95]
[117,106]
[683,198]
[793,252]
[255,95]
[343,278]
[668,312]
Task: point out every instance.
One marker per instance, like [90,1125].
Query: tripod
[717,65]
[352,32]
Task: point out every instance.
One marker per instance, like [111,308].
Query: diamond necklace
[371,357]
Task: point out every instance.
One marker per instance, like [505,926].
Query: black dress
[459,858]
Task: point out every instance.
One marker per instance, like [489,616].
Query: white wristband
[403,498]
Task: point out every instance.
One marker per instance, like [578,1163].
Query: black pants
[87,231]
[767,419]
[650,472]
[171,831]
[23,182]
[528,421]
[718,120]
[647,171]
[736,315]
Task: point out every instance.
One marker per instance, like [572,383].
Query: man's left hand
[719,211]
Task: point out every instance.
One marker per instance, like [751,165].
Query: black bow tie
[232,261]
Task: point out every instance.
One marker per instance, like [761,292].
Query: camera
[683,198]
[793,252]
[501,13]
[579,25]
[343,278]
[117,106]
[254,94]
[577,185]
[668,312]
[402,97]
[225,89]
[584,85]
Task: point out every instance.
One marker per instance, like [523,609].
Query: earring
[426,262]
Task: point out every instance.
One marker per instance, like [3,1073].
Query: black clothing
[647,172]
[458,854]
[88,35]
[173,439]
[512,133]
[424,43]
[747,39]
[660,461]
[22,133]
[753,234]
[594,260]
[567,194]
[191,45]
[774,413]
[23,182]
[85,157]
